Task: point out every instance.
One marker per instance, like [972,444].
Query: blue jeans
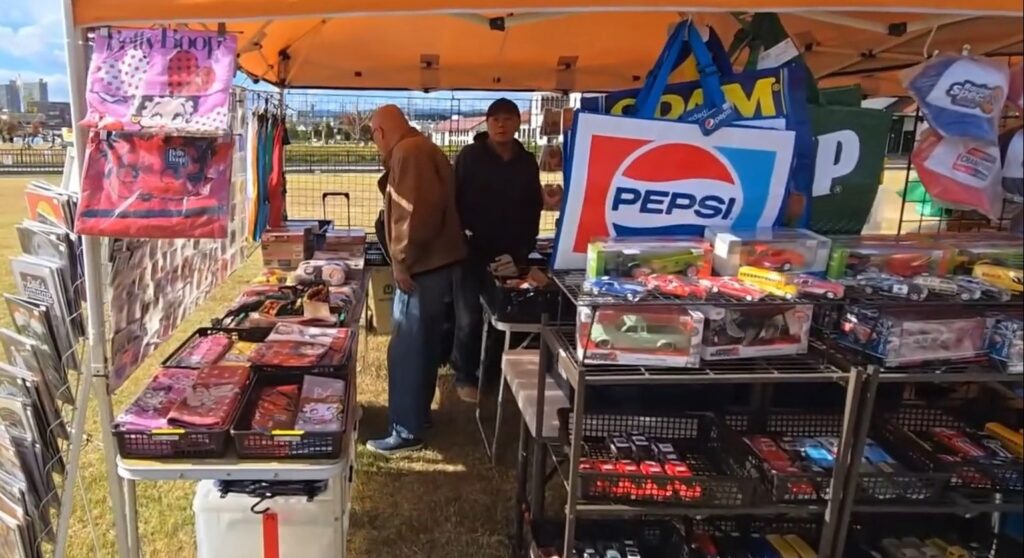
[469,322]
[414,353]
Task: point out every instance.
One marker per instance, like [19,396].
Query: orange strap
[271,544]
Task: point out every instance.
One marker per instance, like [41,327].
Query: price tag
[777,55]
[718,118]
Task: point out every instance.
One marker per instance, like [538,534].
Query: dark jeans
[469,321]
[415,353]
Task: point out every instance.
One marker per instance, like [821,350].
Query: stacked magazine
[39,352]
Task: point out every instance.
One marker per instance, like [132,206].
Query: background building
[10,96]
[34,91]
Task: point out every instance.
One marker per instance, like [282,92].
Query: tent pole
[92,255]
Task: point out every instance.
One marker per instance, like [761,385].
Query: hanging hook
[258,503]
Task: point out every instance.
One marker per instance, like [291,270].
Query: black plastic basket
[291,444]
[174,442]
[909,485]
[251,335]
[716,481]
[654,539]
[899,428]
[520,306]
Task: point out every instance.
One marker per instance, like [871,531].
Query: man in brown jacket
[425,240]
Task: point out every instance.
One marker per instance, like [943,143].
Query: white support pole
[92,255]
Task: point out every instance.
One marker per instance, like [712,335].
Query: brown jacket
[422,222]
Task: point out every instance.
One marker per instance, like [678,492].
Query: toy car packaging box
[1003,249]
[852,256]
[647,336]
[637,257]
[908,336]
[1005,342]
[785,250]
[755,331]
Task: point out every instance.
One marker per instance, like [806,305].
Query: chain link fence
[331,148]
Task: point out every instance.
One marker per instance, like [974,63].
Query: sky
[32,44]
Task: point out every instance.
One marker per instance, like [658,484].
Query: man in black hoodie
[498,191]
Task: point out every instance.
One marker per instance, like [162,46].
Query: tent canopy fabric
[557,45]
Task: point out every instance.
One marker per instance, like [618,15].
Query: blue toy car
[888,285]
[616,287]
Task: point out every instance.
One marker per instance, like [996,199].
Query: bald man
[425,240]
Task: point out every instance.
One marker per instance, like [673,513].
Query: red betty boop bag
[155,186]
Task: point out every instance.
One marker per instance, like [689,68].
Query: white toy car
[946,287]
[982,287]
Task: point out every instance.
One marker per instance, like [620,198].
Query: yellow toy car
[771,282]
[1002,277]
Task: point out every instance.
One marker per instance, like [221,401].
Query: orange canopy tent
[580,45]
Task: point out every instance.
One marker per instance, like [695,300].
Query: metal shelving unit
[825,362]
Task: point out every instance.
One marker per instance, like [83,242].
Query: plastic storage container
[226,528]
[785,250]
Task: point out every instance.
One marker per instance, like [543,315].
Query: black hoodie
[499,201]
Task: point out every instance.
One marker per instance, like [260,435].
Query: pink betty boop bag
[169,80]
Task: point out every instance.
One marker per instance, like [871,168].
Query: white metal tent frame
[122,492]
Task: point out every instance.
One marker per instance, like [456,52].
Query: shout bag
[961,96]
[960,173]
[169,80]
[155,186]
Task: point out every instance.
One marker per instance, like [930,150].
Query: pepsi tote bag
[639,177]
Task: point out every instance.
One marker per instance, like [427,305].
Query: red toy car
[809,284]
[775,258]
[677,286]
[730,286]
[908,265]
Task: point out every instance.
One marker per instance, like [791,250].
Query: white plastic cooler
[226,528]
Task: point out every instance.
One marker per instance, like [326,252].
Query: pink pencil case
[171,80]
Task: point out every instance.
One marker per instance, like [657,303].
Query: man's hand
[404,281]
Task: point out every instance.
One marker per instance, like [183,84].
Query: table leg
[522,506]
[132,516]
[500,407]
[481,388]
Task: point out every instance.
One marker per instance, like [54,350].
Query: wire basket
[697,437]
[901,429]
[809,486]
[284,444]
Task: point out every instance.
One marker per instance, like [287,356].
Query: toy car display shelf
[725,479]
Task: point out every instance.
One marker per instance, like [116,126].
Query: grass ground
[445,501]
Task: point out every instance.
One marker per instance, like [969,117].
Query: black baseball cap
[503,106]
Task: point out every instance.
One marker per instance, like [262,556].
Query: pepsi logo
[667,188]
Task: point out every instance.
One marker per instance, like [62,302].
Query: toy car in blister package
[756,331]
[785,250]
[639,336]
[1005,342]
[637,257]
[155,186]
[852,256]
[903,336]
[960,96]
[889,285]
[1004,249]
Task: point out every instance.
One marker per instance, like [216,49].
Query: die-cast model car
[809,284]
[677,286]
[888,285]
[775,258]
[984,288]
[616,287]
[946,287]
[731,287]
[632,331]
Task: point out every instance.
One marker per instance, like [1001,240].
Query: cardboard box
[639,336]
[286,248]
[382,297]
[756,331]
